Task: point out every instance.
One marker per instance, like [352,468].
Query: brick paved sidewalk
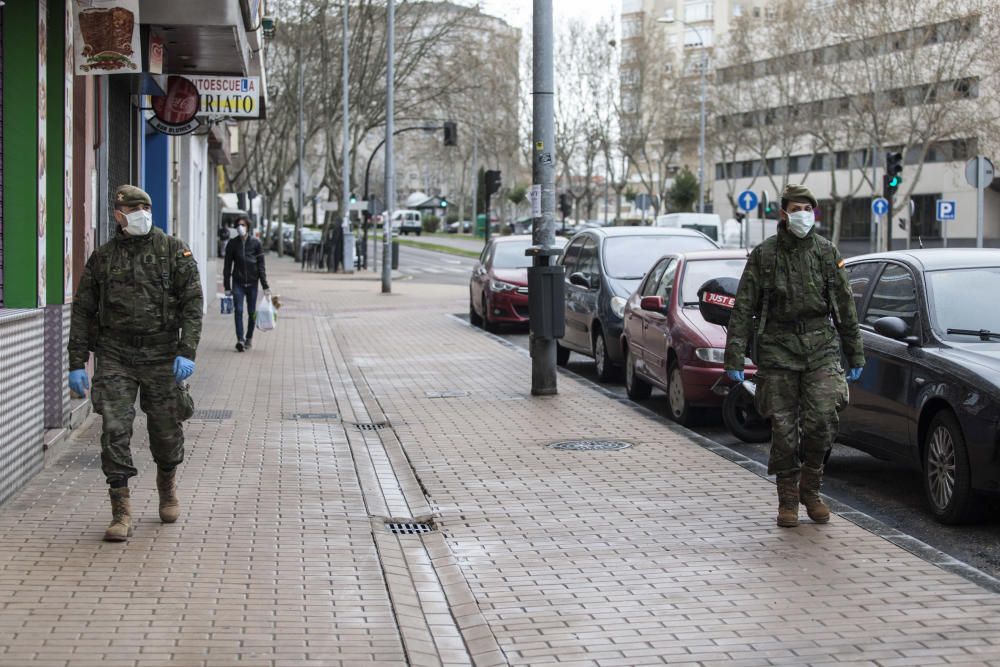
[363,408]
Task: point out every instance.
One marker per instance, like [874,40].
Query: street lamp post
[701,135]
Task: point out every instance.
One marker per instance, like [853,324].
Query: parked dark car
[667,343]
[498,288]
[930,392]
[604,266]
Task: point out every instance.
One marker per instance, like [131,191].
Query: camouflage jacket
[139,298]
[803,283]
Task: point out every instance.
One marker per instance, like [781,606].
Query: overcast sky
[518,12]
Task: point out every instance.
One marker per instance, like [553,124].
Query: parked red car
[498,289]
[667,343]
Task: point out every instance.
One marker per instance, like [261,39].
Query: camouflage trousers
[116,385]
[802,406]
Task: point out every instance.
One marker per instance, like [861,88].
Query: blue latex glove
[79,382]
[735,376]
[854,374]
[183,368]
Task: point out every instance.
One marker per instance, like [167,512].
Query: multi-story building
[826,113]
[666,46]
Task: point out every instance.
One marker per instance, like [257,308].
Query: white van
[406,221]
[708,224]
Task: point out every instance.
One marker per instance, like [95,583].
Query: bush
[430,223]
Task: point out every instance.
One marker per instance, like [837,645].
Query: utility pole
[545,282]
[345,205]
[297,241]
[390,184]
[475,183]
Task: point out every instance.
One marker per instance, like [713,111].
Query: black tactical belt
[801,326]
[141,340]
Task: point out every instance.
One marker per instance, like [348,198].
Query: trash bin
[480,226]
[395,255]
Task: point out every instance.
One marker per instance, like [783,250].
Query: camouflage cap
[129,195]
[799,193]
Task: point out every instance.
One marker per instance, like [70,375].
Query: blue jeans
[250,294]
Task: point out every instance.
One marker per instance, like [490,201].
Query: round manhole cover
[590,445]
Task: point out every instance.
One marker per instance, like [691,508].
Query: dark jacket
[806,286]
[244,263]
[140,299]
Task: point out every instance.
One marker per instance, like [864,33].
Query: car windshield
[510,254]
[630,257]
[698,272]
[961,298]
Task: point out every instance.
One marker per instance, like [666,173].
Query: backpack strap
[165,258]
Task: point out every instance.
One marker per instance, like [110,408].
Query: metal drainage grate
[589,445]
[413,528]
[450,393]
[377,426]
[212,415]
[312,416]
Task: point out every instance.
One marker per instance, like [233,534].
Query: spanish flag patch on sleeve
[840,264]
[187,253]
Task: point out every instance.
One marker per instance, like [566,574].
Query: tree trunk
[838,214]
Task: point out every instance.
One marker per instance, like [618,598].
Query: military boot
[121,512]
[166,484]
[788,501]
[809,495]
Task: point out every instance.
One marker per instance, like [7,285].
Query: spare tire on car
[716,300]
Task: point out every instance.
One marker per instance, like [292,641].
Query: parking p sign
[945,209]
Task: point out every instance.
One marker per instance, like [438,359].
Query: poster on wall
[42,152]
[68,157]
[106,36]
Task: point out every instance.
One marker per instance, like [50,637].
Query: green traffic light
[895,181]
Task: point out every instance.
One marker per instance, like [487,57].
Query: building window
[697,10]
[737,11]
[694,38]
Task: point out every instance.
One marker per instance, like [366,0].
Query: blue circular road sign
[747,200]
[880,206]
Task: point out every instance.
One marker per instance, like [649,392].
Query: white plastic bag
[266,320]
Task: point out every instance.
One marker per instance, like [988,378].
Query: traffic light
[492,181]
[565,208]
[354,199]
[444,202]
[893,174]
[450,133]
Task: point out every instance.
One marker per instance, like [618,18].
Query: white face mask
[800,222]
[139,222]
[242,230]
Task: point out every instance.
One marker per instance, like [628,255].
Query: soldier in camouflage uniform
[795,299]
[138,308]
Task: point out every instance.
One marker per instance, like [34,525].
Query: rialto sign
[227,96]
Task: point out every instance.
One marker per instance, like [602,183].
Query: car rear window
[961,299]
[510,254]
[698,272]
[630,257]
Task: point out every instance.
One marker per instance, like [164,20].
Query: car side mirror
[653,304]
[895,328]
[580,280]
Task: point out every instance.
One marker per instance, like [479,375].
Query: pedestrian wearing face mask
[795,316]
[242,270]
[138,308]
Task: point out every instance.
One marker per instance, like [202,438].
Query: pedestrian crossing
[415,270]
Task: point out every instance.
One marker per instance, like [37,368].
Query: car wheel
[562,355]
[742,419]
[636,388]
[488,324]
[475,319]
[418,233]
[602,364]
[947,478]
[680,412]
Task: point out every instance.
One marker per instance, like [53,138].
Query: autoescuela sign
[229,96]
